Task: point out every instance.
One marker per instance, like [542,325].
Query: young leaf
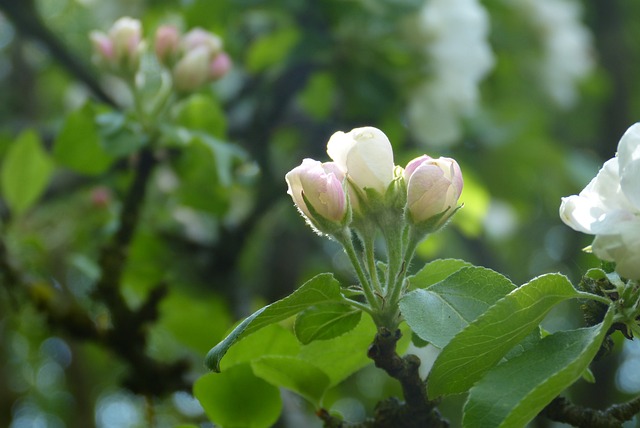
[324,322]
[238,398]
[323,288]
[25,172]
[293,373]
[481,345]
[438,313]
[78,144]
[273,339]
[435,271]
[202,113]
[514,392]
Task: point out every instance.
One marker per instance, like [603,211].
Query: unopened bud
[220,66]
[167,43]
[319,185]
[433,189]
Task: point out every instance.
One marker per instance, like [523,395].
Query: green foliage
[302,70]
[26,170]
[325,322]
[439,312]
[435,271]
[78,145]
[294,374]
[271,50]
[322,288]
[219,394]
[202,113]
[514,392]
[481,345]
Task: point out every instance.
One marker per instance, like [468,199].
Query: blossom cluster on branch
[364,191]
[194,58]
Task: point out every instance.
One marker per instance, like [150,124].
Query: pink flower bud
[433,188]
[321,184]
[120,49]
[167,43]
[220,66]
[126,35]
[192,70]
[101,196]
[198,37]
[103,47]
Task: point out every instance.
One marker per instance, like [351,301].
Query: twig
[24,15]
[416,412]
[563,410]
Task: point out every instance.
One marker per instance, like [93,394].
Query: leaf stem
[359,305]
[596,297]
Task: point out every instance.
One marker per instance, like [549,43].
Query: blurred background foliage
[529,96]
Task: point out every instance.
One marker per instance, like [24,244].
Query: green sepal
[323,225]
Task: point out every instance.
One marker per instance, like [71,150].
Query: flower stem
[344,238]
[370,258]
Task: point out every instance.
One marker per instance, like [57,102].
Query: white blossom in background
[609,208]
[566,43]
[455,33]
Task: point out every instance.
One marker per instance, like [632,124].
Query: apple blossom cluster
[194,58]
[609,208]
[456,34]
[362,190]
[363,181]
[567,45]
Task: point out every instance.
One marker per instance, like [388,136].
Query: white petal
[338,148]
[629,146]
[630,182]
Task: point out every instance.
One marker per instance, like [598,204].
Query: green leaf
[186,325]
[272,49]
[318,96]
[324,322]
[514,392]
[274,339]
[438,313]
[26,171]
[238,398]
[120,136]
[202,113]
[297,375]
[484,342]
[341,357]
[78,144]
[323,288]
[435,271]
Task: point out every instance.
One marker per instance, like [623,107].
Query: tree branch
[416,412]
[26,19]
[563,410]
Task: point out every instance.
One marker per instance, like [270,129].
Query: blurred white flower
[566,43]
[456,34]
[609,207]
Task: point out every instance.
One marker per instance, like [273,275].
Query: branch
[127,337]
[563,410]
[416,412]
[26,19]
